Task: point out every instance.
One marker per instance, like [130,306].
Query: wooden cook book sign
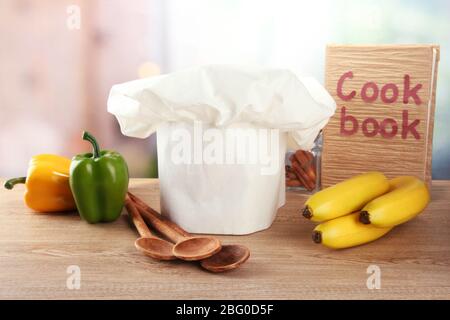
[385,99]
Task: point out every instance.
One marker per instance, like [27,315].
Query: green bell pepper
[99,183]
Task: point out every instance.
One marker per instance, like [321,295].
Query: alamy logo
[374,280]
[242,146]
[73,21]
[73,282]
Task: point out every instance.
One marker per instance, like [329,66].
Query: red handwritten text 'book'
[385,99]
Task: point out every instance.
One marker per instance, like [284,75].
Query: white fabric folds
[221,134]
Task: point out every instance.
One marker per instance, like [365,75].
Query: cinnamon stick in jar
[306,160]
[301,174]
[290,175]
[293,183]
[302,171]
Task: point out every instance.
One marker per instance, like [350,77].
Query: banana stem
[317,237]
[307,213]
[364,217]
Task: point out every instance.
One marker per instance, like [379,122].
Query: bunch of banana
[364,208]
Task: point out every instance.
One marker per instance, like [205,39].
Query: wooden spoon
[190,248]
[148,244]
[229,258]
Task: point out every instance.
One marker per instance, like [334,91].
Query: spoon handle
[162,226]
[138,222]
[147,210]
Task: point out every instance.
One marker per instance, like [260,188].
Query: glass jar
[303,168]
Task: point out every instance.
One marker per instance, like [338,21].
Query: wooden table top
[36,250]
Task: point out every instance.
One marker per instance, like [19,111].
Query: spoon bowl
[196,248]
[229,258]
[155,248]
[225,258]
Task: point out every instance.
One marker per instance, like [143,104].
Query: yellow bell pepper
[47,184]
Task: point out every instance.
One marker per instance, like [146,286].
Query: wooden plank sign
[385,99]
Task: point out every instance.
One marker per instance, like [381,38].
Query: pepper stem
[89,137]
[12,182]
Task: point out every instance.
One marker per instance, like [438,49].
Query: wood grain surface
[347,155]
[36,250]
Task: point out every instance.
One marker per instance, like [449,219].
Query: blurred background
[59,58]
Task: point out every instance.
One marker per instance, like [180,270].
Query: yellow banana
[408,196]
[345,197]
[346,232]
